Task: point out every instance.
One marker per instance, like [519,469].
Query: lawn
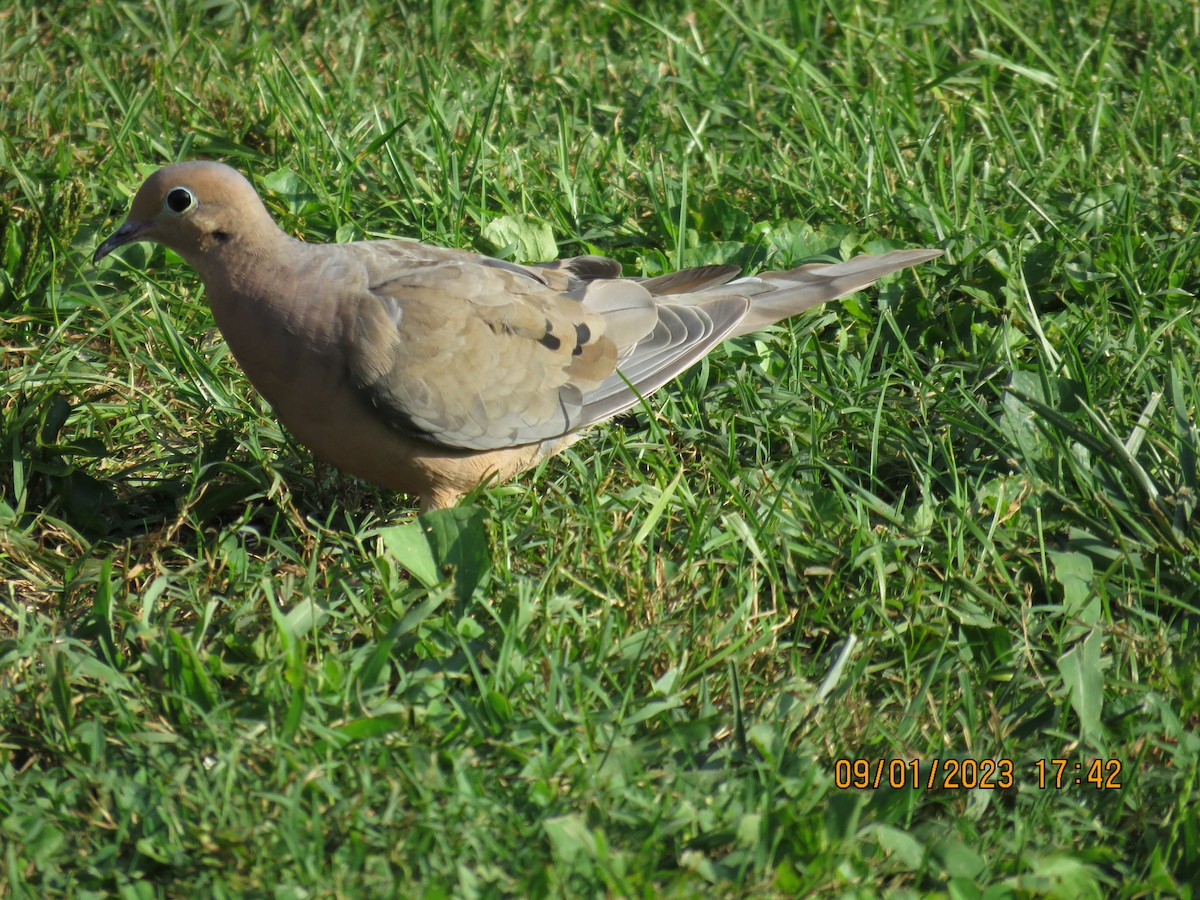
[899,598]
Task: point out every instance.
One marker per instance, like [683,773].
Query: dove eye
[180,200]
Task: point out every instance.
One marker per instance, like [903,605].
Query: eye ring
[179,200]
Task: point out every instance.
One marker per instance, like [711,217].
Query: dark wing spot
[583,334]
[548,340]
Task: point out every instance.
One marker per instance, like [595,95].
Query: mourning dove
[429,370]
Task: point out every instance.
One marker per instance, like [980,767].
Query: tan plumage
[430,370]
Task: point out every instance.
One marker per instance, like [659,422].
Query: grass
[951,519]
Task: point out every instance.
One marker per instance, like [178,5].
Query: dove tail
[775,296]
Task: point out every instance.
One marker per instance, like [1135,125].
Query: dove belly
[303,375]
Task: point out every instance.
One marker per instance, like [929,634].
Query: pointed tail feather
[689,281]
[775,296]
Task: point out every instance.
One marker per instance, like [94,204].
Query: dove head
[198,209]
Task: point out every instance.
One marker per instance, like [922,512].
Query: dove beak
[128,233]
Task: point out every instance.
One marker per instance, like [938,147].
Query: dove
[431,371]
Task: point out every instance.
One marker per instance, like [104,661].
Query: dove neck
[246,263]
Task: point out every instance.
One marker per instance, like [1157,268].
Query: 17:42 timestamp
[957,773]
[1059,773]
